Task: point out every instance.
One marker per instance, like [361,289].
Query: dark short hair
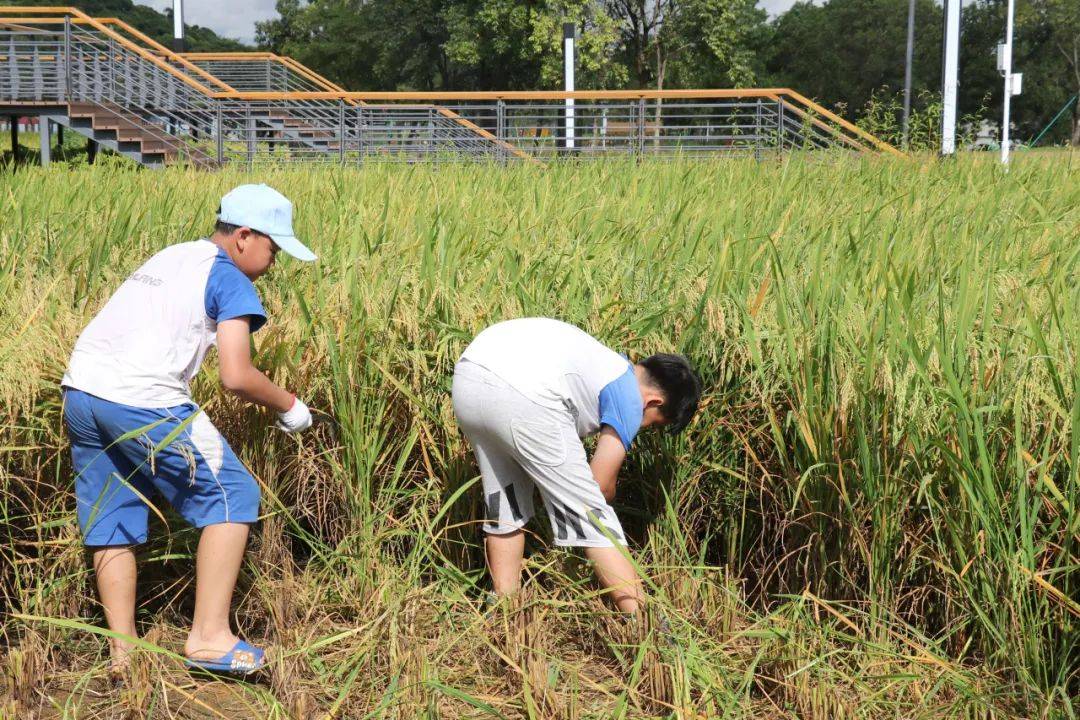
[228,228]
[225,228]
[676,378]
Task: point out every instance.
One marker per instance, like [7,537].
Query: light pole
[1012,81]
[569,36]
[907,70]
[949,73]
[178,25]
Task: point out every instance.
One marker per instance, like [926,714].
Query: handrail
[312,75]
[316,77]
[84,19]
[160,55]
[166,52]
[230,55]
[291,63]
[47,9]
[447,113]
[35,20]
[81,19]
[818,123]
[138,34]
[305,71]
[510,95]
[851,127]
[541,95]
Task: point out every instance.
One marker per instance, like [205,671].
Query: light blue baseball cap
[262,208]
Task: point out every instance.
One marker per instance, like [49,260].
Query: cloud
[230,18]
[775,7]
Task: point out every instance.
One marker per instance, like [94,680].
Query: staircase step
[113,123]
[134,136]
[149,146]
[82,110]
[159,155]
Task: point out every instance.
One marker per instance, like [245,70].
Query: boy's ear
[654,402]
[243,235]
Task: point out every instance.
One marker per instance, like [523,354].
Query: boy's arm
[607,460]
[239,376]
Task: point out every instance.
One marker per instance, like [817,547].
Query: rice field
[874,515]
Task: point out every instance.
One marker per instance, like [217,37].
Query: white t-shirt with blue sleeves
[560,366]
[231,294]
[148,341]
[621,406]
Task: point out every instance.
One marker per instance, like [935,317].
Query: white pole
[1006,68]
[568,75]
[907,71]
[949,73]
[178,25]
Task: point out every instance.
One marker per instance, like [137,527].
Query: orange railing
[185,67]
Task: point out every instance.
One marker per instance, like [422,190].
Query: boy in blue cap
[134,428]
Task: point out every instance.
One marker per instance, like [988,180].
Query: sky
[230,18]
[236,18]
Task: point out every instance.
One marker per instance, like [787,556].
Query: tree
[445,44]
[374,44]
[1038,40]
[711,43]
[510,44]
[1061,19]
[842,52]
[640,22]
[718,42]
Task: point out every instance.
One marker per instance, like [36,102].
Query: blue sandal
[243,659]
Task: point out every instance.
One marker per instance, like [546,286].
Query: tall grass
[874,515]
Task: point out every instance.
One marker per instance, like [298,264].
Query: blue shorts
[122,453]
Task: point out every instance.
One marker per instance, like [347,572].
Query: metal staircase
[128,134]
[122,90]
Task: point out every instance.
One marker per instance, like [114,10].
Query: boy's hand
[296,418]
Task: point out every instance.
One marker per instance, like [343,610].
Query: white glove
[296,418]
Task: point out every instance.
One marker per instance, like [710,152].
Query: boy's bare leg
[504,556]
[221,550]
[618,576]
[116,574]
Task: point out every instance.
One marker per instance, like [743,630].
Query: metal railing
[260,71]
[259,107]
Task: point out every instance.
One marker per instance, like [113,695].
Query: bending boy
[525,392]
[134,428]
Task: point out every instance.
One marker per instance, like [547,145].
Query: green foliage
[520,44]
[873,516]
[1048,80]
[720,43]
[689,43]
[1047,51]
[882,116]
[844,51]
[377,45]
[468,44]
[841,53]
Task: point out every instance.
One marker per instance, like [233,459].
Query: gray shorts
[520,445]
